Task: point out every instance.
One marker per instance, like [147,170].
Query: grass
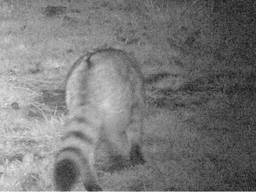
[198,62]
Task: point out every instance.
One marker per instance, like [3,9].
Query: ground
[198,60]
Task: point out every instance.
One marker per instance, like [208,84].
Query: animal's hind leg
[135,133]
[119,150]
[89,176]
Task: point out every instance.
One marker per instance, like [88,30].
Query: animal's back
[109,83]
[104,94]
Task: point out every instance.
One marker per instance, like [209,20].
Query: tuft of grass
[27,151]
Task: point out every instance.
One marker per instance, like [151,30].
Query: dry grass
[200,124]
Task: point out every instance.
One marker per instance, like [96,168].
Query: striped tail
[76,157]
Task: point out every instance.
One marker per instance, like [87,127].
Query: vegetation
[198,59]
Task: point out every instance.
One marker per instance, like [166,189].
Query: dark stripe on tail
[78,152]
[78,119]
[65,174]
[67,170]
[79,135]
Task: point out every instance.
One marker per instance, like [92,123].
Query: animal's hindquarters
[76,156]
[104,94]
